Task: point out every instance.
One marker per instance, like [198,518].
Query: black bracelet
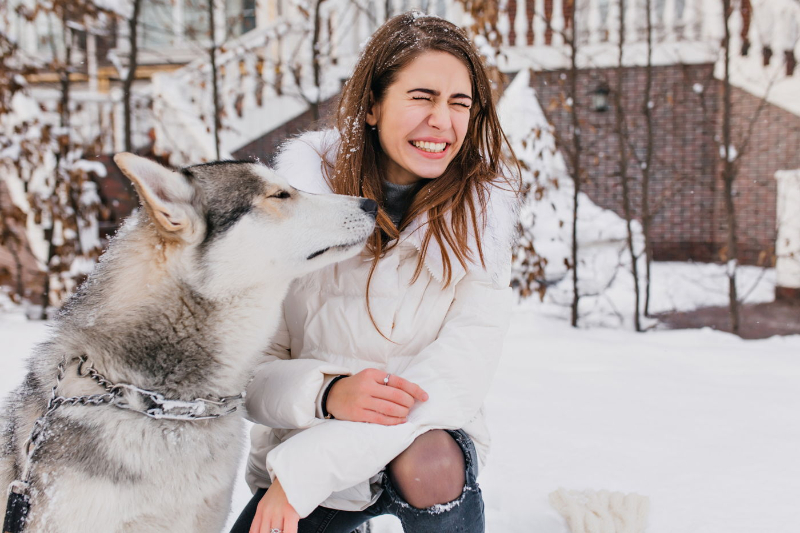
[325,413]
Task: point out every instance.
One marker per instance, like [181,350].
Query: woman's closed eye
[428,98]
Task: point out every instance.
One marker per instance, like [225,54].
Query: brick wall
[686,188]
[774,144]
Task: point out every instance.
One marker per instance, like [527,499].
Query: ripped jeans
[463,515]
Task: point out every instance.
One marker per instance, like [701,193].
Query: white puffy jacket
[447,340]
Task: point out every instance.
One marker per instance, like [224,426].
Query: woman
[375,380]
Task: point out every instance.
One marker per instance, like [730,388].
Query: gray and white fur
[183,303]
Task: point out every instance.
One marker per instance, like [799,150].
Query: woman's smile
[431,149]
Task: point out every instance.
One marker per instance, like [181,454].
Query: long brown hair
[480,161]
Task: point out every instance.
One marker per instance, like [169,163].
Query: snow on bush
[57,196]
[542,258]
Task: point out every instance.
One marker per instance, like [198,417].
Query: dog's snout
[369,206]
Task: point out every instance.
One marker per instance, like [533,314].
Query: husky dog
[182,304]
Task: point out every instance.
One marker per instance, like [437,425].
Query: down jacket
[446,339]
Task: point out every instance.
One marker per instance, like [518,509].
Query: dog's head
[230,224]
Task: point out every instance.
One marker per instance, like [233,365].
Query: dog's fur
[183,303]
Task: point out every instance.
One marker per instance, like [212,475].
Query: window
[241,16]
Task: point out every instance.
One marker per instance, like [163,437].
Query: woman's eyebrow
[437,93]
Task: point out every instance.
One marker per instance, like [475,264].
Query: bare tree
[212,56]
[130,75]
[571,143]
[732,156]
[313,13]
[647,164]
[622,136]
[575,157]
[729,172]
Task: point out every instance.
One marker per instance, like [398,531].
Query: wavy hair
[485,157]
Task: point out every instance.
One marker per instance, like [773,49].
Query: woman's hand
[275,512]
[364,398]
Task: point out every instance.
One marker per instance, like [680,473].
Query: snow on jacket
[447,340]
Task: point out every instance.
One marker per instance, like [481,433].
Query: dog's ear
[167,195]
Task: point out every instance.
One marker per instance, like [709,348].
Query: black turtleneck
[398,198]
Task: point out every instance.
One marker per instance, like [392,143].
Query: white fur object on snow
[601,511]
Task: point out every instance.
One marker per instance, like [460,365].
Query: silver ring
[386,379]
[275,530]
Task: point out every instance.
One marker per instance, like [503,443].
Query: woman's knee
[429,472]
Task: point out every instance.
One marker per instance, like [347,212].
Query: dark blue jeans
[463,515]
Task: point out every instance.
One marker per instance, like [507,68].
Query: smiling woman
[370,400]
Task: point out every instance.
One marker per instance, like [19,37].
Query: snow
[33,179]
[486,50]
[704,285]
[91,166]
[124,8]
[702,423]
[787,244]
[182,104]
[89,227]
[546,216]
[775,25]
[732,153]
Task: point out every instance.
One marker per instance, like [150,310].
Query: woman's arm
[287,393]
[456,370]
[284,392]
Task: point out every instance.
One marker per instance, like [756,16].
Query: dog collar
[154,404]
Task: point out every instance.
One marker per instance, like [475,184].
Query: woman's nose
[440,116]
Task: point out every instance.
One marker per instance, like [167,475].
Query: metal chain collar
[54,403]
[155,404]
[121,395]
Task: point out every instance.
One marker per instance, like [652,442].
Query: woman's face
[423,117]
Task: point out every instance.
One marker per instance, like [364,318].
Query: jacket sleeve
[285,392]
[456,370]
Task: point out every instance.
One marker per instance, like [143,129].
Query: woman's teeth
[430,147]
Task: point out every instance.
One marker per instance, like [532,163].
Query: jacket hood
[300,161]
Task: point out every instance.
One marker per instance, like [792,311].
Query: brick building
[686,188]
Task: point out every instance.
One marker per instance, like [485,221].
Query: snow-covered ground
[703,423]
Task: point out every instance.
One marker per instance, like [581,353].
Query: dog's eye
[282,195]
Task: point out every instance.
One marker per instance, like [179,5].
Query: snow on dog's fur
[182,303]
